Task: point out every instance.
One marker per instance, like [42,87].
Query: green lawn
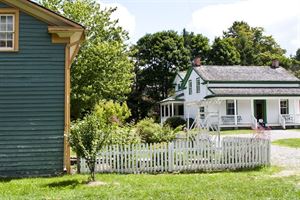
[226,185]
[292,142]
[237,132]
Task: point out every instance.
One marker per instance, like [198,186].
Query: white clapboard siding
[178,156]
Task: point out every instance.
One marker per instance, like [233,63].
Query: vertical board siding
[179,156]
[32,103]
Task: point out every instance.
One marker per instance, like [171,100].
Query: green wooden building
[37,47]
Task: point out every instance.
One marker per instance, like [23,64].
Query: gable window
[198,85]
[178,87]
[284,106]
[190,87]
[9,29]
[229,107]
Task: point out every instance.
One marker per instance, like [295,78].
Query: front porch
[247,112]
[171,109]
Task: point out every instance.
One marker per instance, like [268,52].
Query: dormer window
[9,29]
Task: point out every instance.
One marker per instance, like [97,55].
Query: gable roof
[42,13]
[182,74]
[244,74]
[62,29]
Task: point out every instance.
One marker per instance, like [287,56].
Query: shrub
[87,138]
[112,113]
[124,135]
[151,132]
[174,122]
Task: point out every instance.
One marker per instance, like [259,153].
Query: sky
[279,18]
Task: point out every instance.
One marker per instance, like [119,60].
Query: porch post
[235,113]
[279,107]
[161,110]
[172,113]
[252,107]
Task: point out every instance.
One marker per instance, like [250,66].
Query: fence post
[170,156]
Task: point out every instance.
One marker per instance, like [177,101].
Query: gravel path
[288,158]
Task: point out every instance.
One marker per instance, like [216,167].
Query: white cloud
[280,18]
[126,19]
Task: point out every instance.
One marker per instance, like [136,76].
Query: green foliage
[124,135]
[102,69]
[223,52]
[197,45]
[297,57]
[87,138]
[175,122]
[151,132]
[112,113]
[158,57]
[254,47]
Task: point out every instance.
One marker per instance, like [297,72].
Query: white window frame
[230,109]
[13,32]
[190,87]
[198,85]
[285,107]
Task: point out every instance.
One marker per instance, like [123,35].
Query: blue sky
[281,18]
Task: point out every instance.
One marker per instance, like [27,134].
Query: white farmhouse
[239,95]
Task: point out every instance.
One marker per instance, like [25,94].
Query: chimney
[275,64]
[197,61]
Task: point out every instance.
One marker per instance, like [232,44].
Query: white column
[252,107]
[279,106]
[172,113]
[161,110]
[235,113]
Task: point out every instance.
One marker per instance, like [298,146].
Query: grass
[291,142]
[226,185]
[237,132]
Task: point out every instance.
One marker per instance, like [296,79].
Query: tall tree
[158,56]
[297,56]
[254,47]
[223,52]
[197,45]
[102,69]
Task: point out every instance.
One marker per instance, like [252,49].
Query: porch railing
[291,118]
[230,119]
[282,121]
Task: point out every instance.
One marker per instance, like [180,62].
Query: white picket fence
[178,156]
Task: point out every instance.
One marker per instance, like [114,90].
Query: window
[162,111]
[9,29]
[229,107]
[178,87]
[198,85]
[202,112]
[190,87]
[284,107]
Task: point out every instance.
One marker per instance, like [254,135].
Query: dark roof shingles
[244,73]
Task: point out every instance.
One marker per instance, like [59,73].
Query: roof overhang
[63,30]
[41,13]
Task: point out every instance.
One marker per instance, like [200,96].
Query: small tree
[87,138]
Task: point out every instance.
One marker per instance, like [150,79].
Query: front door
[260,110]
